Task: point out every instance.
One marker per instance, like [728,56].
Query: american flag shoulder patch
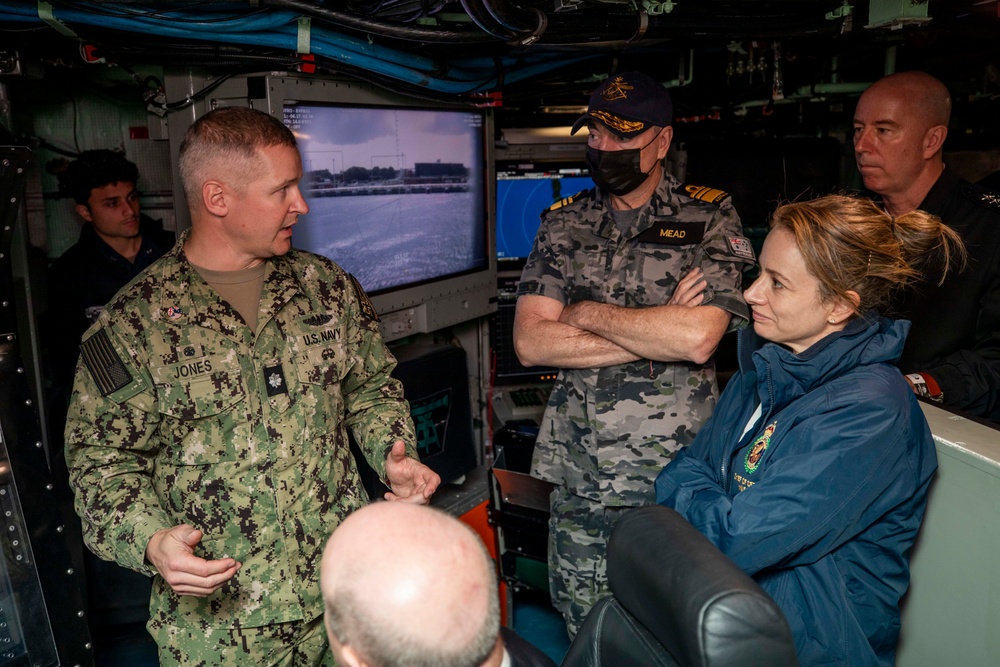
[104,364]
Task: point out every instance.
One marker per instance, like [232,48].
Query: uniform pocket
[198,402]
[320,371]
[322,365]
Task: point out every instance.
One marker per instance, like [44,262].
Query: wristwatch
[925,385]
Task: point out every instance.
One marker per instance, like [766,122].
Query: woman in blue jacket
[812,473]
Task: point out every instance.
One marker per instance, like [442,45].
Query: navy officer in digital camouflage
[207,433]
[628,290]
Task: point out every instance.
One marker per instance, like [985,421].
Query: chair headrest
[691,597]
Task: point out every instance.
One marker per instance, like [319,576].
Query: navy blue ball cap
[628,104]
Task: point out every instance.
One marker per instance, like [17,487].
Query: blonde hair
[850,244]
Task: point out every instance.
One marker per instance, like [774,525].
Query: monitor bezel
[480,173]
[405,310]
[449,299]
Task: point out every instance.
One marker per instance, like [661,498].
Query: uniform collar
[198,304]
[152,245]
[663,203]
[939,192]
[782,375]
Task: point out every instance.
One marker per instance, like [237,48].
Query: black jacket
[80,282]
[956,327]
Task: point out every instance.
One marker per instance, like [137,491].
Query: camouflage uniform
[295,644]
[182,414]
[607,432]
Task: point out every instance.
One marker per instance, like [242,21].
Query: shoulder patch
[706,194]
[366,304]
[990,199]
[981,196]
[104,364]
[564,201]
[741,247]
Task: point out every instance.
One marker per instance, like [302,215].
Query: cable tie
[303,39]
[45,13]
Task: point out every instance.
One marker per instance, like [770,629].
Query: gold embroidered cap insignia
[616,89]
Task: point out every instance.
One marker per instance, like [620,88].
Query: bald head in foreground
[437,605]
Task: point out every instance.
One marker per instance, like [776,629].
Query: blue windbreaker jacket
[821,499]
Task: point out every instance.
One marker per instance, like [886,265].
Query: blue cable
[279,29]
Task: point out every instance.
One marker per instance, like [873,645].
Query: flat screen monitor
[524,190]
[398,191]
[396,195]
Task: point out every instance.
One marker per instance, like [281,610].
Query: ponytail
[928,245]
[851,245]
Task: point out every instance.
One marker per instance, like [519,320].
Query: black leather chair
[678,601]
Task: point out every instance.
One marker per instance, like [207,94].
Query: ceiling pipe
[485,20]
[682,78]
[386,28]
[890,61]
[621,25]
[833,89]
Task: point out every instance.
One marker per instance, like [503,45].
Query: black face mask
[617,172]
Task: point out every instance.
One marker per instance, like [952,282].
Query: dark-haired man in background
[116,243]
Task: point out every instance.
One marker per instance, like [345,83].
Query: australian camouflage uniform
[607,432]
[182,414]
